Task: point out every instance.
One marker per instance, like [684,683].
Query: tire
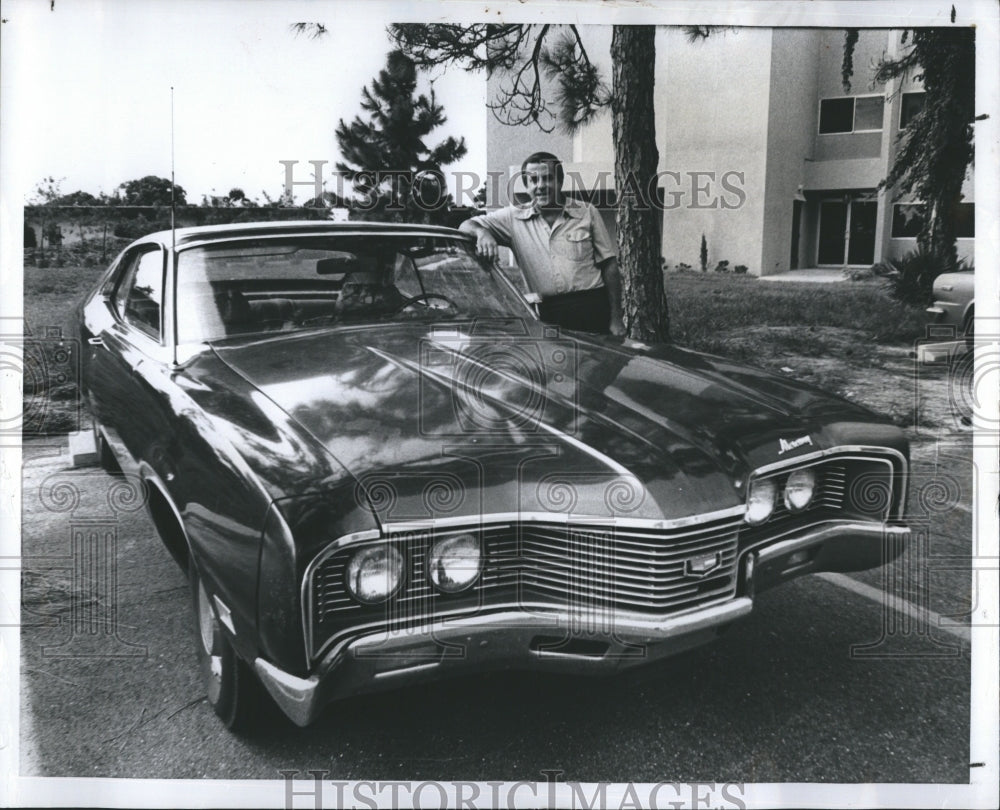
[232,689]
[969,329]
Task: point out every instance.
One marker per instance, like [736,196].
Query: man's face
[540,179]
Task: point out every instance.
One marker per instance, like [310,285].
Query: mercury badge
[784,445]
[703,564]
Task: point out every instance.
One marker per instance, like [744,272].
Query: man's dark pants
[583,311]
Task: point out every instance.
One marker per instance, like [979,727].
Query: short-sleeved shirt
[558,259]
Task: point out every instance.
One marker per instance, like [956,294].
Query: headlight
[760,502]
[454,562]
[799,489]
[375,573]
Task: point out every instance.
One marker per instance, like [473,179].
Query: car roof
[208,233]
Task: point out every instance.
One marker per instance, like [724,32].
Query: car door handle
[96,341]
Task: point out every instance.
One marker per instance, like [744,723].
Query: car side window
[140,295]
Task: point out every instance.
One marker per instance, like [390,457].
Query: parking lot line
[933,619]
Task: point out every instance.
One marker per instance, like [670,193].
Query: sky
[89,83]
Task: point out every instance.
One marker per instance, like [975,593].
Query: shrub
[740,269]
[910,278]
[722,267]
[683,267]
[140,226]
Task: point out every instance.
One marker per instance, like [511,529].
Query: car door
[123,329]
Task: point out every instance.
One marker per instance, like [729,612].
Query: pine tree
[397,175]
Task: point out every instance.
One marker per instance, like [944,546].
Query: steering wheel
[424,297]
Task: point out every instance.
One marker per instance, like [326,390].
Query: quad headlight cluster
[376,573]
[797,493]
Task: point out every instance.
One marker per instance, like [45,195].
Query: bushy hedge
[120,225]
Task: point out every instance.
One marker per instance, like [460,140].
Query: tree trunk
[938,233]
[644,302]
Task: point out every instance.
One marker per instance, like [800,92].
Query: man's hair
[544,157]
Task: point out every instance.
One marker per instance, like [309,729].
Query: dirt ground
[917,388]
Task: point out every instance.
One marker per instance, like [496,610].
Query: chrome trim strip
[148,474]
[225,615]
[293,232]
[407,670]
[843,448]
[829,525]
[562,518]
[821,535]
[545,614]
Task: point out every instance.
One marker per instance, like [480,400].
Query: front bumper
[565,639]
[946,313]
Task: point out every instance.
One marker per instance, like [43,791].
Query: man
[562,247]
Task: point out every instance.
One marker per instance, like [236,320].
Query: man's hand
[617,326]
[486,245]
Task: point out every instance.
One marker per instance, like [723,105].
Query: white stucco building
[761,150]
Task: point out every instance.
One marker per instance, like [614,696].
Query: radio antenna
[173,182]
[173,220]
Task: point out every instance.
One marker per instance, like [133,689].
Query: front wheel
[232,689]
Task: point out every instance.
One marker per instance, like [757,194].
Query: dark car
[377,466]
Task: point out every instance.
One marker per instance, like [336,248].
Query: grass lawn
[51,396]
[711,312]
[50,294]
[826,334]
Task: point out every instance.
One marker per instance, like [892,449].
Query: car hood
[509,416]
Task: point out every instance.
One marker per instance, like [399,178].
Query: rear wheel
[232,689]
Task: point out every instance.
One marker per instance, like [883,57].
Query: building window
[836,115]
[852,114]
[908,219]
[910,105]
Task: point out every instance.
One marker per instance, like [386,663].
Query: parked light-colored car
[953,302]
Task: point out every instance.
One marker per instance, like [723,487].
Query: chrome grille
[585,565]
[622,568]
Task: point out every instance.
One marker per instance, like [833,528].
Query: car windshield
[288,283]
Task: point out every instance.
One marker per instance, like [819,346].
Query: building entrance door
[832,232]
[861,233]
[846,232]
